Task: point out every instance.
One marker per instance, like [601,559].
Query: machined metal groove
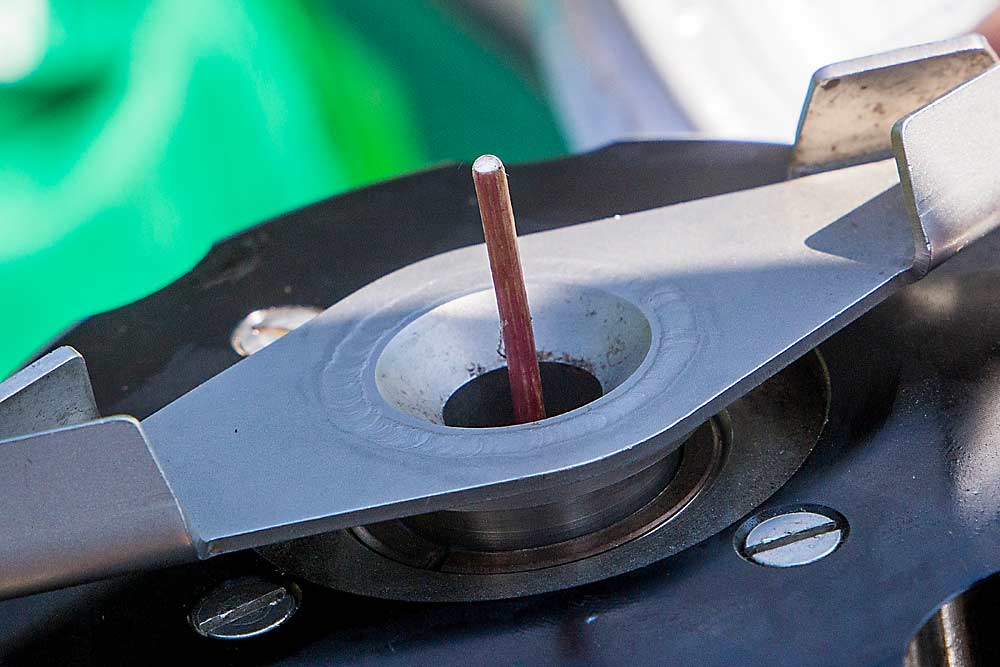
[772,430]
[961,632]
[701,458]
[545,519]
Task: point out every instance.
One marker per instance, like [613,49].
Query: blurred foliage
[149,130]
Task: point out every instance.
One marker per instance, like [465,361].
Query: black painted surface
[911,455]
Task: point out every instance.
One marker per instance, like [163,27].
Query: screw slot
[789,537]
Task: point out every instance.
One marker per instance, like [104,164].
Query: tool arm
[83,497]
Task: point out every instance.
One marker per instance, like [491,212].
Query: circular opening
[485,401]
[583,335]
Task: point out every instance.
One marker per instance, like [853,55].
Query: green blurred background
[134,134]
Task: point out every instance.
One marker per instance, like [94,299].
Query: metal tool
[338,425]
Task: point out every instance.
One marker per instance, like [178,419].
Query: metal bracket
[852,105]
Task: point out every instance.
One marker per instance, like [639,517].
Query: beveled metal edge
[850,106]
[946,154]
[82,503]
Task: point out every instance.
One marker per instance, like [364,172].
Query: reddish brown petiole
[508,282]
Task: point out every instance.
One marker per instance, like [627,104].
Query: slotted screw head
[791,538]
[243,607]
[262,327]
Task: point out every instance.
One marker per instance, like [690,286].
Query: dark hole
[485,400]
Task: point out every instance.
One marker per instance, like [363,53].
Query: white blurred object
[600,82]
[740,69]
[24,32]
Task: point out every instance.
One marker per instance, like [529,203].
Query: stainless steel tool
[679,312]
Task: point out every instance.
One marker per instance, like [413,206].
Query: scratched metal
[851,106]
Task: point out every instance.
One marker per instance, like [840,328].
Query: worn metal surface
[421,366]
[909,457]
[851,106]
[50,393]
[84,502]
